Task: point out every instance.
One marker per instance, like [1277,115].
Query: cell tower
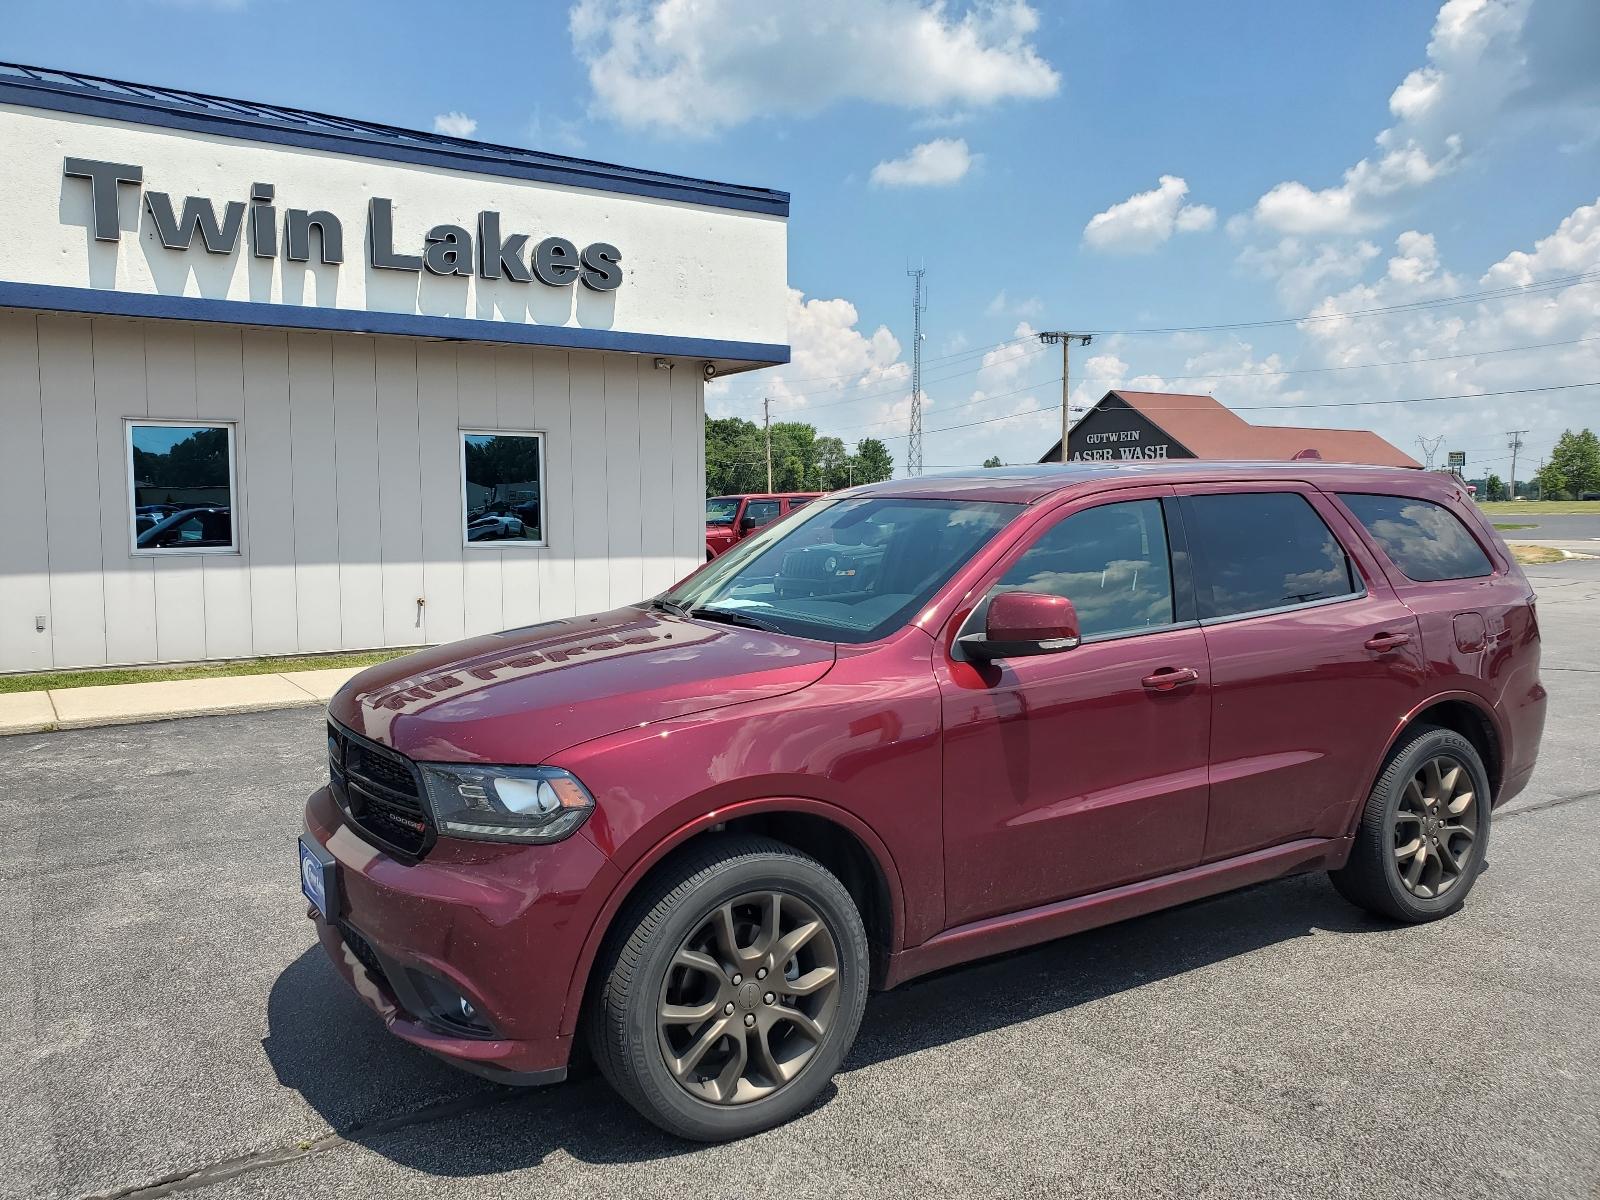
[918,306]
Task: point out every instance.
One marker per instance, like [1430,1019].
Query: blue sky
[1084,164]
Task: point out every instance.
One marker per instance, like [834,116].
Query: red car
[731,519]
[915,724]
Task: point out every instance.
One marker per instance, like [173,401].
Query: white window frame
[134,548]
[544,522]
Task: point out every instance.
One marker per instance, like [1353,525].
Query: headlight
[506,804]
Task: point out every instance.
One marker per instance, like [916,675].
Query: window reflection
[182,486]
[503,480]
[1110,561]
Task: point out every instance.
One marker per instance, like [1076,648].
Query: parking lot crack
[230,1168]
[1553,802]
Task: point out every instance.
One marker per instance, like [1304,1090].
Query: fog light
[468,1013]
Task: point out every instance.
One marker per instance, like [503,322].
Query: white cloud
[938,163]
[1145,220]
[1003,305]
[1292,207]
[456,124]
[831,359]
[1572,249]
[1302,273]
[1490,65]
[695,68]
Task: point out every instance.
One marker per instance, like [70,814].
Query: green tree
[1552,481]
[1577,457]
[833,464]
[735,457]
[873,461]
[993,461]
[1495,488]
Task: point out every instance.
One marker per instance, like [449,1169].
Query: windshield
[845,570]
[720,510]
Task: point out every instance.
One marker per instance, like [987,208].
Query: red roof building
[1135,425]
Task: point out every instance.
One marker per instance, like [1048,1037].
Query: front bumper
[501,926]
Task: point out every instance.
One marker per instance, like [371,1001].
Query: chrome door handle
[1168,678]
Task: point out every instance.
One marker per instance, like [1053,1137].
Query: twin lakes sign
[447,249]
[1113,432]
[132,218]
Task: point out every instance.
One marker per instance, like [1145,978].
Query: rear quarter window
[1425,540]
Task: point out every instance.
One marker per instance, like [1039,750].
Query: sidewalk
[131,703]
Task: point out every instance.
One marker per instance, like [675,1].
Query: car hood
[519,697]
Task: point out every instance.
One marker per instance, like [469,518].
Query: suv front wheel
[1424,831]
[732,991]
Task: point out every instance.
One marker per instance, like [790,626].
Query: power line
[1502,293]
[1113,379]
[971,352]
[1556,387]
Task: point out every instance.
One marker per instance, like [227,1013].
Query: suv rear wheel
[732,991]
[1424,832]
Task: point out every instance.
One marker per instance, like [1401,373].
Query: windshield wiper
[731,616]
[669,606]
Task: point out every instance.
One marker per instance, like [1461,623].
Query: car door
[1314,660]
[1072,772]
[758,514]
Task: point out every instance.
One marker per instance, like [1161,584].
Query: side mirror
[1025,623]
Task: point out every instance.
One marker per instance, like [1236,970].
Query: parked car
[494,527]
[730,519]
[185,529]
[690,833]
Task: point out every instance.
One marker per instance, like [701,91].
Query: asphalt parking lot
[171,1027]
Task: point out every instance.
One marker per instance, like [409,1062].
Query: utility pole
[1516,444]
[1051,337]
[918,305]
[1429,449]
[766,420]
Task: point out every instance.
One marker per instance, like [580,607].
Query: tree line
[736,459]
[1573,468]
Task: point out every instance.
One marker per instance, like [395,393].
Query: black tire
[1373,878]
[631,1041]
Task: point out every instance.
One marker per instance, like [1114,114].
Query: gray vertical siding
[349,480]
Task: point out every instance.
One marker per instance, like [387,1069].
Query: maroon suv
[913,724]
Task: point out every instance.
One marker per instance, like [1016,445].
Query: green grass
[1511,525]
[1529,555]
[1542,508]
[45,680]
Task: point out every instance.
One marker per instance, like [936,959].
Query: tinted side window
[1110,561]
[761,512]
[1262,550]
[1425,540]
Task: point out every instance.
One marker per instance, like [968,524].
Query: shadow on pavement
[381,1093]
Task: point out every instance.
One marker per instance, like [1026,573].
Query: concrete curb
[167,700]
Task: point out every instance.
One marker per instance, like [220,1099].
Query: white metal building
[274,382]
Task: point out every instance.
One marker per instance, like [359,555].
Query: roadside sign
[1458,458]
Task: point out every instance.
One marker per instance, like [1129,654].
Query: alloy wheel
[1436,827]
[749,998]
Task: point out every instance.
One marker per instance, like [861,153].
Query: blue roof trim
[93,96]
[99,302]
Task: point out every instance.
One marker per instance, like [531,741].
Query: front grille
[362,949]
[380,792]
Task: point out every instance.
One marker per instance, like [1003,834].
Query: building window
[181,484]
[501,477]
